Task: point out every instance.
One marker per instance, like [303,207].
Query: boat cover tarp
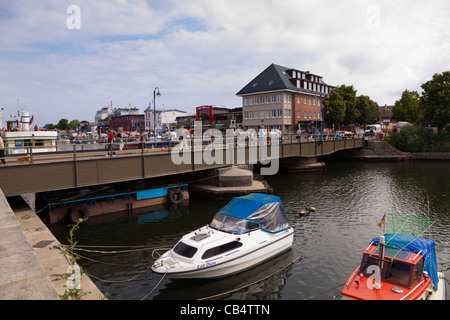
[264,209]
[409,243]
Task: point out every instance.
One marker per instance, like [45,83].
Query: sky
[68,59]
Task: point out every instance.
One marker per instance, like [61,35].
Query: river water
[350,199]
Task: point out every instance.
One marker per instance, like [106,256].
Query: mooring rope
[120,281]
[320,293]
[164,275]
[139,248]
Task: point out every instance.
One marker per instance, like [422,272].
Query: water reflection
[264,282]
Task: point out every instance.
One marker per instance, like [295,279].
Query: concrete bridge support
[301,164]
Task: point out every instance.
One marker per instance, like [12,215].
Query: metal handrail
[74,149]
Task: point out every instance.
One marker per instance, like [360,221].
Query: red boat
[397,267]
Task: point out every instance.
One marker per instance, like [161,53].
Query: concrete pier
[228,183]
[29,268]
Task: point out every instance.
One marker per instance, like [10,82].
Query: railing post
[31,154]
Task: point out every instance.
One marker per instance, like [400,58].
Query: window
[305,115]
[184,250]
[306,100]
[298,114]
[267,113]
[221,249]
[395,272]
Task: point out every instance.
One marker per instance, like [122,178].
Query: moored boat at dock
[20,139]
[95,203]
[398,266]
[247,231]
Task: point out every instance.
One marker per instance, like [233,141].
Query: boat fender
[311,209]
[302,212]
[73,213]
[175,196]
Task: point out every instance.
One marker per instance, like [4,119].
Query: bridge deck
[66,170]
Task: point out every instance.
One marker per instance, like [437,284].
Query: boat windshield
[394,271]
[232,225]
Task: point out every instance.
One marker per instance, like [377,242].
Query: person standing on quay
[2,150]
[110,143]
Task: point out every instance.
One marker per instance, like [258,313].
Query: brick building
[283,98]
[128,122]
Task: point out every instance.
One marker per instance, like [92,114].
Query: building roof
[276,78]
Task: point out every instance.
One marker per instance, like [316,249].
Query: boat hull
[421,293]
[233,263]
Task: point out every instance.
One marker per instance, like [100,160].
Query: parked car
[372,130]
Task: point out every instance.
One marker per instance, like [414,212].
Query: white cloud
[203,52]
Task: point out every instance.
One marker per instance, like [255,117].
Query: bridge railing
[288,144]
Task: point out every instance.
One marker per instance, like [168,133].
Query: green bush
[419,139]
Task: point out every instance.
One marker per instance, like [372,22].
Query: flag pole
[382,225]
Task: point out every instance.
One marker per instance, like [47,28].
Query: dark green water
[350,198]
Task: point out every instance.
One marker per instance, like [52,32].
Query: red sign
[204,110]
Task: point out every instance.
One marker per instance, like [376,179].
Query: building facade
[105,112]
[283,98]
[129,122]
[219,117]
[165,119]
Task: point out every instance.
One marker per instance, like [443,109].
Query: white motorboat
[246,232]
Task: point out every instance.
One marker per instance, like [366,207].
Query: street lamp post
[1,120]
[156,93]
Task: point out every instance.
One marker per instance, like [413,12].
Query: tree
[349,95]
[333,108]
[73,124]
[435,100]
[367,110]
[407,108]
[63,124]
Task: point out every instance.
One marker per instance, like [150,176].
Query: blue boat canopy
[413,244]
[264,209]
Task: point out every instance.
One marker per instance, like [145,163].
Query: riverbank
[378,150]
[30,267]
